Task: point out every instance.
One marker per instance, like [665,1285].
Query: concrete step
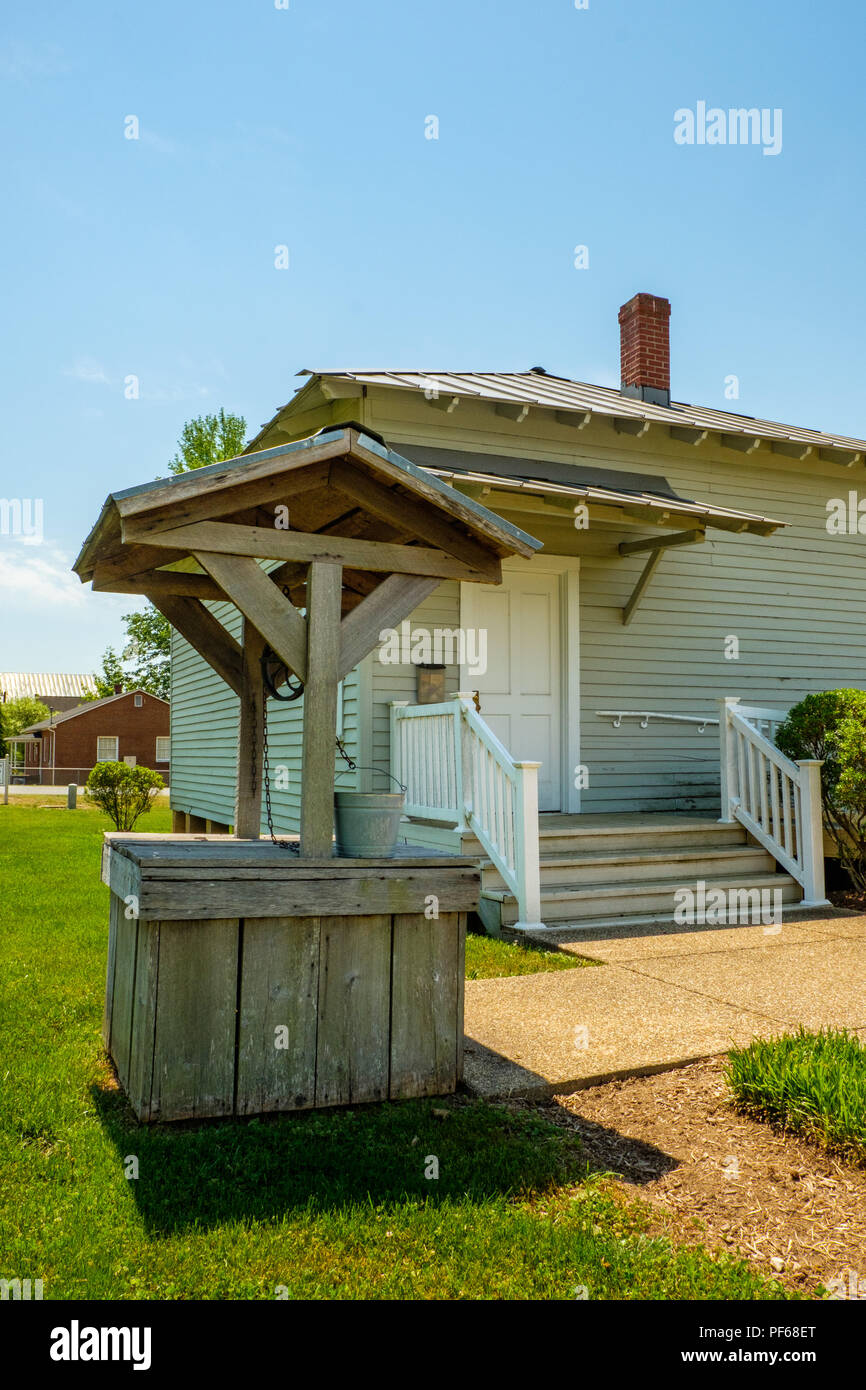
[566,933]
[581,867]
[565,902]
[683,832]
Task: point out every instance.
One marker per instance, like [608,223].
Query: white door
[520,691]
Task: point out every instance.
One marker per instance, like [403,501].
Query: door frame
[567,569]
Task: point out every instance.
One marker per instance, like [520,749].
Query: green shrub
[812,1083]
[124,793]
[831,725]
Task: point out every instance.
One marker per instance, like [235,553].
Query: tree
[209,439]
[145,659]
[124,793]
[19,714]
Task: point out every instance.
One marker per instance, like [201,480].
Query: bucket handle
[361,768]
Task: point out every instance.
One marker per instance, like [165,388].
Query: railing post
[467,786]
[811,833]
[727,758]
[396,744]
[462,826]
[526,835]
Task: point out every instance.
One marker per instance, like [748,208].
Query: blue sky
[305,127]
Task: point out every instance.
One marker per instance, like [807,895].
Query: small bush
[831,725]
[124,793]
[811,1083]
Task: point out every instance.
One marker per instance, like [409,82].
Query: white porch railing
[777,800]
[456,771]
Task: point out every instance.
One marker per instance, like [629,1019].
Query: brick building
[128,727]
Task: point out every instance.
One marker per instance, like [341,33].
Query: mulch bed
[718,1178]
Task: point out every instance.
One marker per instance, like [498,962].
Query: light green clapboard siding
[796,600]
[204,731]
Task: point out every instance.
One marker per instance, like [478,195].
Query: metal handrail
[618,715]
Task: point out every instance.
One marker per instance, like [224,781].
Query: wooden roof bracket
[656,545]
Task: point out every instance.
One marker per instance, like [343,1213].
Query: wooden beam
[661,542]
[630,424]
[640,587]
[280,488]
[246,469]
[262,604]
[324,589]
[574,419]
[512,410]
[410,516]
[163,582]
[248,792]
[132,560]
[394,599]
[204,634]
[688,434]
[224,538]
[744,443]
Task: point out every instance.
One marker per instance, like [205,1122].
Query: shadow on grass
[214,1172]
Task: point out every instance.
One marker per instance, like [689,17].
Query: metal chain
[290,845]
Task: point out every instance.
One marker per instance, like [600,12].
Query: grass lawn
[341,1204]
[811,1083]
[487,959]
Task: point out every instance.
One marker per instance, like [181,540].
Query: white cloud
[20,61]
[86,369]
[38,581]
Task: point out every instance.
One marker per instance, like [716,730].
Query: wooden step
[566,933]
[562,836]
[581,868]
[567,903]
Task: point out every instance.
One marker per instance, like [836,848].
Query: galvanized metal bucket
[367,823]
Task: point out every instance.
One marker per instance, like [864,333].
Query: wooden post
[528,849]
[811,830]
[248,799]
[178,822]
[324,592]
[727,758]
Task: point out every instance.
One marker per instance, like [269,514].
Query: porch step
[569,834]
[645,865]
[566,933]
[567,903]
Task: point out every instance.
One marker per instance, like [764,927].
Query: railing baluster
[765,810]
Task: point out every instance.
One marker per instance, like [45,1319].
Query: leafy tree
[831,725]
[124,793]
[144,662]
[209,439]
[19,714]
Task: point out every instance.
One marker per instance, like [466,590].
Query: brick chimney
[645,349]
[118,689]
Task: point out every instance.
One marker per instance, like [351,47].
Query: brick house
[132,726]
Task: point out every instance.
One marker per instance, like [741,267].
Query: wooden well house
[251,974]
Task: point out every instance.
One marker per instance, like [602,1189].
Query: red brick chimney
[645,349]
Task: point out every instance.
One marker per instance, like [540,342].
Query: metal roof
[14,684]
[560,393]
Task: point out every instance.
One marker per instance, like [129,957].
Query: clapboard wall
[204,732]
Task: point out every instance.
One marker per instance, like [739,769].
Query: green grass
[811,1083]
[487,959]
[320,1205]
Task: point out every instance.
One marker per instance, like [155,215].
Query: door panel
[520,690]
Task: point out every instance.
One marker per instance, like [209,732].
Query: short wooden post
[466,781]
[71,795]
[811,832]
[526,839]
[178,822]
[248,796]
[727,758]
[324,593]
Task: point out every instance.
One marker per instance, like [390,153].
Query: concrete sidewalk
[661,1000]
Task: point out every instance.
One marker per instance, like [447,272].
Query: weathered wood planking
[369,1004]
[279,990]
[354,1007]
[194,1045]
[425,1018]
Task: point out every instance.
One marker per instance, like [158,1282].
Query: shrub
[124,793]
[831,725]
